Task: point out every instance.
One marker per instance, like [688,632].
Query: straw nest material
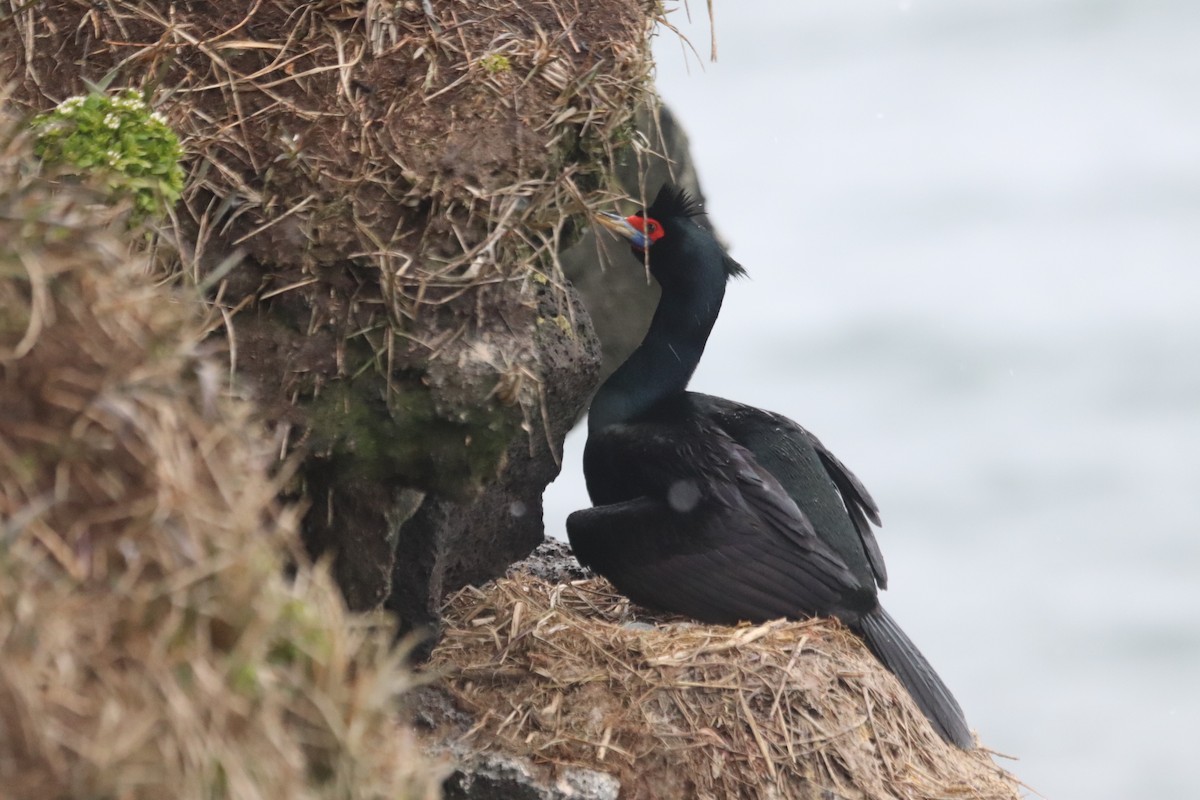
[150,643]
[571,674]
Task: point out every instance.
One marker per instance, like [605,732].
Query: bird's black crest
[673,201]
[732,268]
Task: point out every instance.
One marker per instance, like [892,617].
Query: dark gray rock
[450,541]
[552,562]
[495,776]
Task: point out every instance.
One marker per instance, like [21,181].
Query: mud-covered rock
[376,197]
[459,543]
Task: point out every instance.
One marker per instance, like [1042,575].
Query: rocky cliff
[376,200]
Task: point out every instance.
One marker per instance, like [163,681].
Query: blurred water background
[973,234]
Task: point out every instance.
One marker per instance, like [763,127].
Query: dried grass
[571,674]
[150,643]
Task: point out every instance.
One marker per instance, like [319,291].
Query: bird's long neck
[663,363]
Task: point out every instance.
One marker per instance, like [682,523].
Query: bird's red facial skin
[649,226]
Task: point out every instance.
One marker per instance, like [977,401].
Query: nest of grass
[572,674]
[398,176]
[150,643]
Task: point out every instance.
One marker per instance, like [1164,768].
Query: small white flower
[113,157]
[112,121]
[71,103]
[158,117]
[131,101]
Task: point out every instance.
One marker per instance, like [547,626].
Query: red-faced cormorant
[720,511]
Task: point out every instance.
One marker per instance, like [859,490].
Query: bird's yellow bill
[617,224]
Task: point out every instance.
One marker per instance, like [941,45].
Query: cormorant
[720,511]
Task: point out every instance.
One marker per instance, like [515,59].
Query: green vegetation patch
[495,62]
[407,438]
[119,138]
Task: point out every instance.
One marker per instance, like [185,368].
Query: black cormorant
[720,511]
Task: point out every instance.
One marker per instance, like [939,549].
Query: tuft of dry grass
[573,674]
[151,644]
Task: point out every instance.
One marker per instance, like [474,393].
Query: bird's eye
[652,229]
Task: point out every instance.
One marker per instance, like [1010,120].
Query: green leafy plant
[117,137]
[495,63]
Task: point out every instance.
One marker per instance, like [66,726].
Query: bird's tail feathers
[897,652]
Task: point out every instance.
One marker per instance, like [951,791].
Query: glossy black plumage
[720,511]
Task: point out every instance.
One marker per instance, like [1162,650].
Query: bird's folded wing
[780,445]
[859,505]
[744,552]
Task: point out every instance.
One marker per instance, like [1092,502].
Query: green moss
[14,322]
[624,135]
[244,680]
[184,675]
[284,652]
[119,138]
[495,63]
[301,637]
[405,438]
